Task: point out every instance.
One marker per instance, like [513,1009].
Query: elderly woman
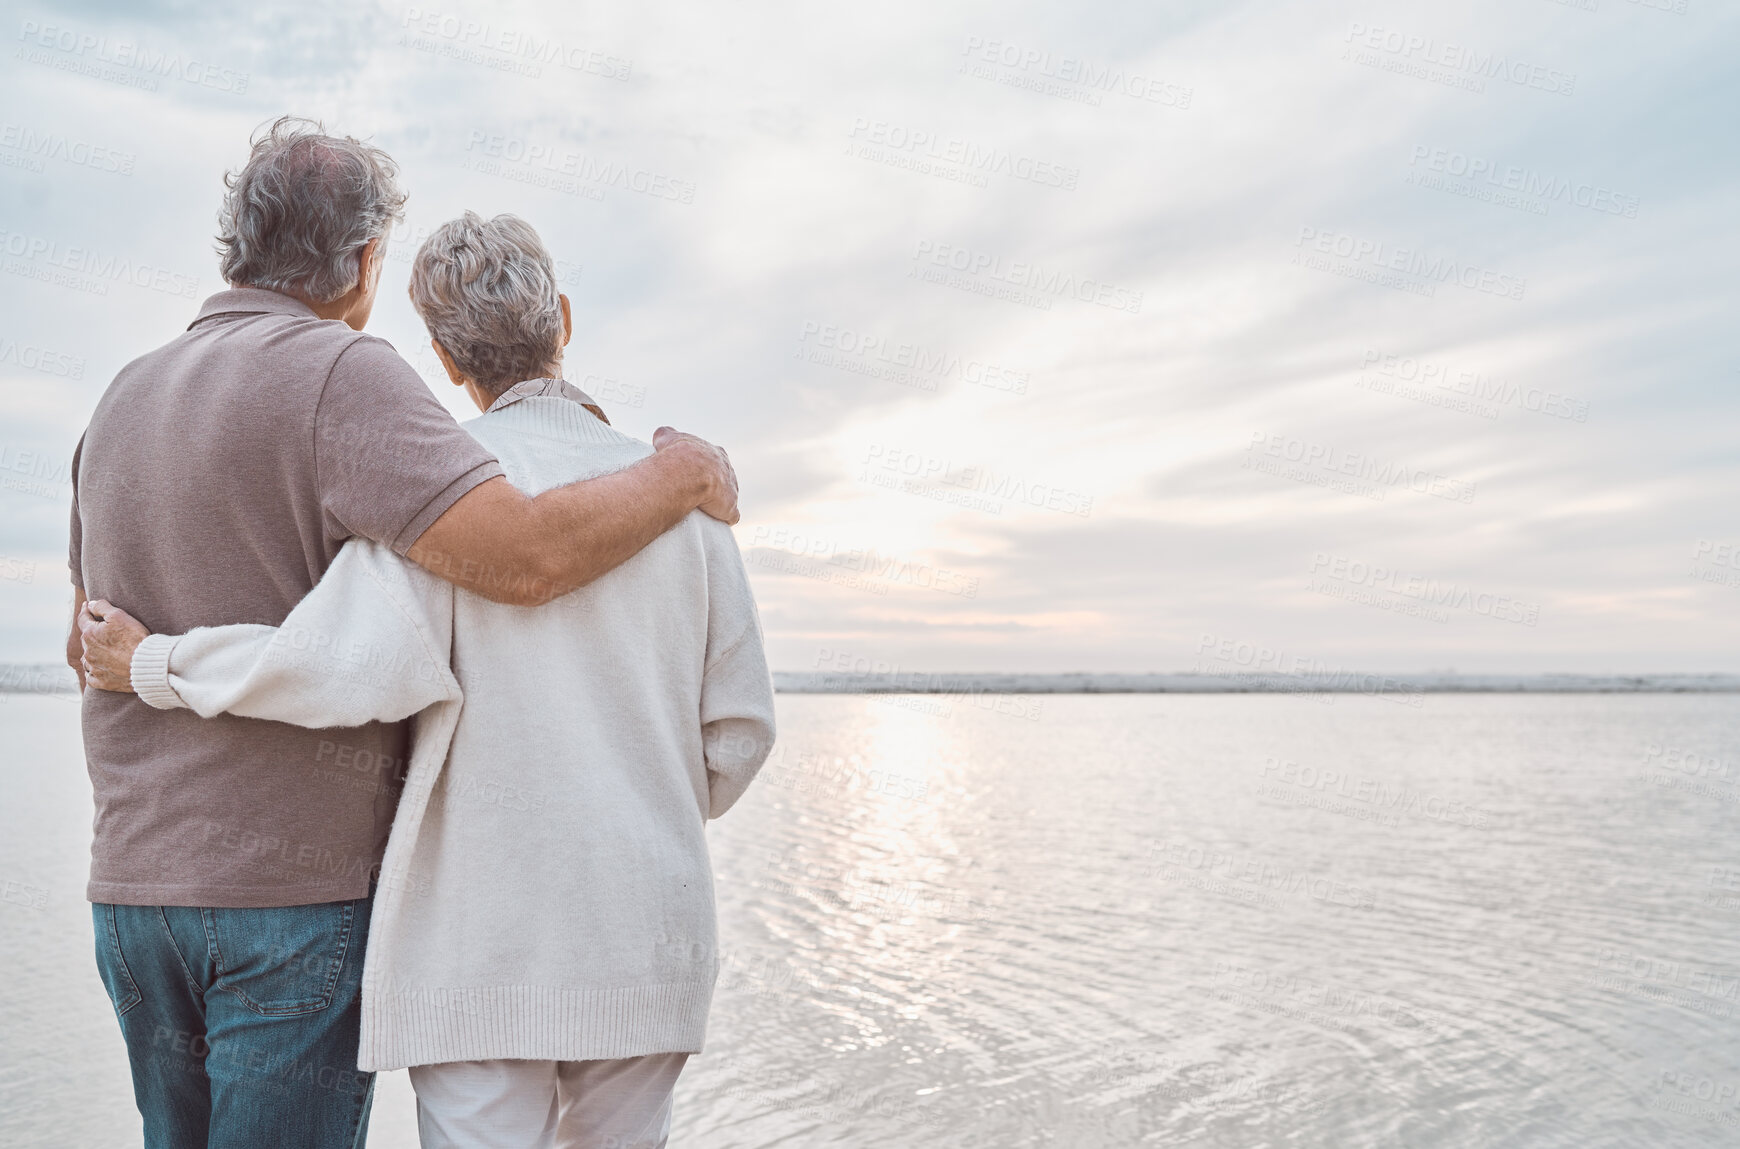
[542,948]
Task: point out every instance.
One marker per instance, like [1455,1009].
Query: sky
[1044,337]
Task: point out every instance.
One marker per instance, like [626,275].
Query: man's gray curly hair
[486,289]
[300,210]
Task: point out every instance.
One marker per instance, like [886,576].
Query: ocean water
[1242,921]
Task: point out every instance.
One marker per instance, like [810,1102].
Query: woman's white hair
[299,212]
[486,289]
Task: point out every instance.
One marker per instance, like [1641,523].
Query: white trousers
[622,1104]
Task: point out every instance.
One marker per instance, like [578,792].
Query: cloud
[1080,268]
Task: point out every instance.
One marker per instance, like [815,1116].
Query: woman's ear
[452,368]
[567,319]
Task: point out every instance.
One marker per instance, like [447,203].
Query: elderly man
[233,858]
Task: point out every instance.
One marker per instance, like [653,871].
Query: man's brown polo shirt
[218,478]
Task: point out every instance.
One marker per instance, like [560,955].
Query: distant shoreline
[50,678]
[790,682]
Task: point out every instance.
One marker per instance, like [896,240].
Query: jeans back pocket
[111,963]
[282,960]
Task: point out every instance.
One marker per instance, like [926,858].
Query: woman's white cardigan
[546,891]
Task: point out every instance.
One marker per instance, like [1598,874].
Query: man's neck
[347,308]
[337,309]
[350,308]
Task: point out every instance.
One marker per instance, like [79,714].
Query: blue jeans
[241,1025]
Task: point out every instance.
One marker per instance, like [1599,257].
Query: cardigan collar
[558,388]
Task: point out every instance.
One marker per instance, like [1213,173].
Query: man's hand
[110,636]
[714,466]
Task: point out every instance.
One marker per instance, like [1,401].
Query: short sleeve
[389,460]
[75,557]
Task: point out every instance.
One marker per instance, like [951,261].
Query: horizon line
[57,678]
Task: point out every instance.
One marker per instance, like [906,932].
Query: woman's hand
[110,635]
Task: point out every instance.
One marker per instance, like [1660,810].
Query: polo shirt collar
[251,301]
